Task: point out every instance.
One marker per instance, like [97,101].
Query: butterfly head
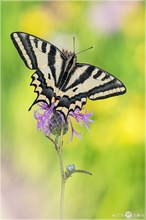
[69,54]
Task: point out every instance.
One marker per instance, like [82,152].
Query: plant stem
[63,178]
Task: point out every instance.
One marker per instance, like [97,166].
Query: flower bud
[70,168]
[57,124]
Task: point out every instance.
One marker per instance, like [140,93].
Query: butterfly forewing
[35,52]
[59,79]
[97,83]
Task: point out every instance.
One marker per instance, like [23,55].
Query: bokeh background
[113,150]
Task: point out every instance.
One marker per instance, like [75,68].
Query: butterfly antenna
[85,50]
[74,40]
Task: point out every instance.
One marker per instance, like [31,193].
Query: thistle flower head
[58,124]
[51,121]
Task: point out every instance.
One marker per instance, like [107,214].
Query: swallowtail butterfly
[59,79]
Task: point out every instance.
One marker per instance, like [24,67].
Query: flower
[82,118]
[56,124]
[53,122]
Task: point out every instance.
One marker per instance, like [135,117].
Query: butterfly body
[59,79]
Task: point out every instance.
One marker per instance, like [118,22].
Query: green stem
[63,177]
[63,180]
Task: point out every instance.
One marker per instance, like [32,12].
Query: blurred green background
[113,150]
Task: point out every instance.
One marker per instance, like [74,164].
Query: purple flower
[52,122]
[82,118]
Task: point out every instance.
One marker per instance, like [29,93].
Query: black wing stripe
[79,79]
[86,74]
[53,71]
[97,74]
[44,46]
[51,62]
[51,55]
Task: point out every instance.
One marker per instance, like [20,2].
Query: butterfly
[59,79]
